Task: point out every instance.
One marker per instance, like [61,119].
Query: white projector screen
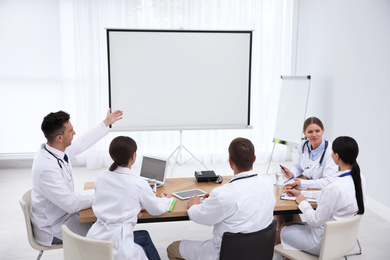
[179,79]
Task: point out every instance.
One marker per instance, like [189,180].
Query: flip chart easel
[294,96]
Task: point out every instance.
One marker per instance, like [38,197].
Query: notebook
[154,168]
[284,196]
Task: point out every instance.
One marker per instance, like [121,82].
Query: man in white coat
[243,205]
[54,201]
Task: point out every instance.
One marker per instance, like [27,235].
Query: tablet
[186,194]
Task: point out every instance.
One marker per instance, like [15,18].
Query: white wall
[345,46]
[30,71]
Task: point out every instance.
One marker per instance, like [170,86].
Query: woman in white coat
[342,198]
[120,196]
[314,158]
[314,161]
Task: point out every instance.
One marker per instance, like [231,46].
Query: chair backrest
[339,237]
[255,245]
[25,203]
[77,247]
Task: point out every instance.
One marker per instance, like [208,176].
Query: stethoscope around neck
[323,153]
[59,161]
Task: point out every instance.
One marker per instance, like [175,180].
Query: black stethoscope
[59,160]
[243,177]
[323,153]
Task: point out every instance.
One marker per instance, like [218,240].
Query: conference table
[179,212]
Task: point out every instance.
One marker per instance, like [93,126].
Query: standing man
[245,205]
[54,201]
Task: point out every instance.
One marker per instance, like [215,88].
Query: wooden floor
[374,234]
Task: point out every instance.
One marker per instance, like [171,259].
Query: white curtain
[272,23]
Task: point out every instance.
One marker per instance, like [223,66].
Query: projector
[205,176]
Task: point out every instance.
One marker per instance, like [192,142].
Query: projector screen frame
[245,125]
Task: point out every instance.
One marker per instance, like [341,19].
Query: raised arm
[112,117]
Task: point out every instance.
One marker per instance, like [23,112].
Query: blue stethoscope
[59,160]
[323,153]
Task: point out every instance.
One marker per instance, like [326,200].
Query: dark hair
[242,153]
[54,124]
[312,120]
[121,150]
[347,149]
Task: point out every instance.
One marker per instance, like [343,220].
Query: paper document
[284,196]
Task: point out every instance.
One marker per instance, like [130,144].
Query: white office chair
[25,202]
[339,238]
[77,247]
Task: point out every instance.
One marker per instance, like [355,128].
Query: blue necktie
[66,158]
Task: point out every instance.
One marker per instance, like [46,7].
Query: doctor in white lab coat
[120,196]
[54,201]
[314,158]
[244,205]
[342,198]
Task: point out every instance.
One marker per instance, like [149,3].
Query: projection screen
[179,79]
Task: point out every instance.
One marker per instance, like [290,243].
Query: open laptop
[154,168]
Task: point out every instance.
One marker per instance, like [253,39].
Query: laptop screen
[153,168]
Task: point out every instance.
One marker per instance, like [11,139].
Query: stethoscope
[323,153]
[243,177]
[59,160]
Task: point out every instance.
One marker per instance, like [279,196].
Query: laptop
[154,168]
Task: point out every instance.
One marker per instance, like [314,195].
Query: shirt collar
[342,172]
[123,170]
[242,174]
[316,152]
[59,153]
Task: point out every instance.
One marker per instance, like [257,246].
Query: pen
[282,168]
[289,179]
[293,187]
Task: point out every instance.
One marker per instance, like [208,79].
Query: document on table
[284,196]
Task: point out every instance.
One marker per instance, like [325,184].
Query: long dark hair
[347,149]
[121,150]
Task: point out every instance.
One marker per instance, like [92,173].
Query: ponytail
[355,173]
[113,166]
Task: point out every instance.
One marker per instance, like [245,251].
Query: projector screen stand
[179,152]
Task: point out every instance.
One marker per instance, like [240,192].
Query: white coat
[54,201]
[335,202]
[120,196]
[243,205]
[319,175]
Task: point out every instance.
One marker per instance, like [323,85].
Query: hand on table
[194,200]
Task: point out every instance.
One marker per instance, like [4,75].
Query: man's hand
[112,117]
[206,195]
[194,200]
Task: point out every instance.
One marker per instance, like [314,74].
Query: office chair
[77,247]
[338,239]
[25,203]
[255,245]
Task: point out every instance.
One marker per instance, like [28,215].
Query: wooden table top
[180,210]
